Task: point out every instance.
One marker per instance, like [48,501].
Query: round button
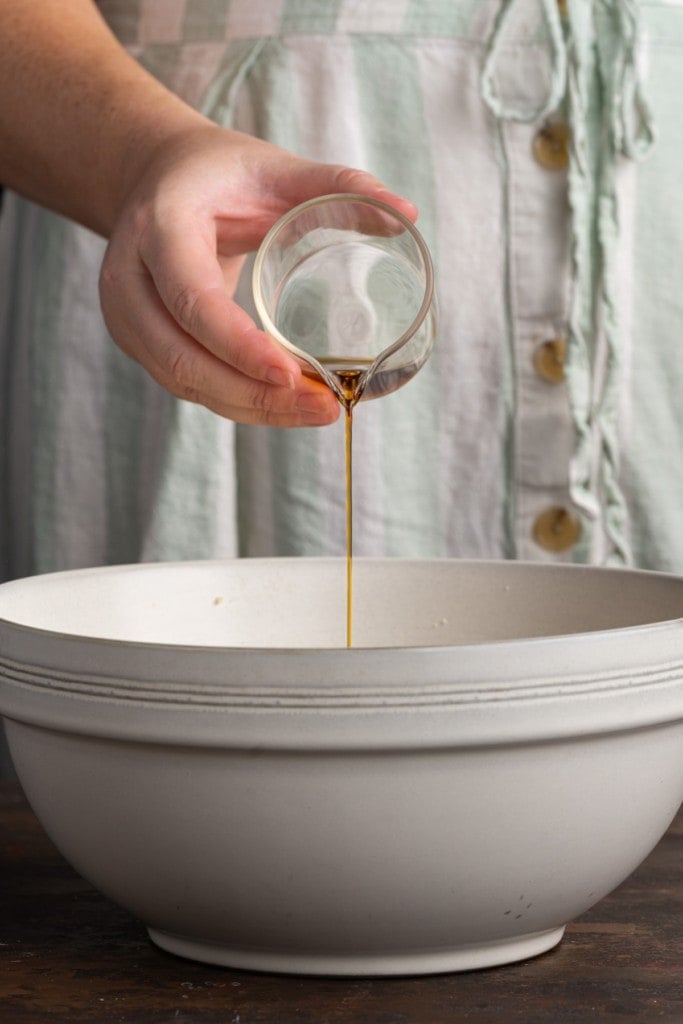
[551,146]
[556,529]
[549,358]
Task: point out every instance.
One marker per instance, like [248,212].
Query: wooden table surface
[67,954]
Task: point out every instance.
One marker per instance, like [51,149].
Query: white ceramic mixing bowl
[501,749]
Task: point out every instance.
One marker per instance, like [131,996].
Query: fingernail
[283,378]
[313,401]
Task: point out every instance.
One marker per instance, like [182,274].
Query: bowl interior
[301,603]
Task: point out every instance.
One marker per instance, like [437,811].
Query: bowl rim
[527,689]
[511,565]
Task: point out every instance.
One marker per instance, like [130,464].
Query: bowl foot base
[461,958]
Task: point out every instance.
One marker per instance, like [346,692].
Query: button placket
[546,527]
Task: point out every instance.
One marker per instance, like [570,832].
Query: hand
[87,131]
[206,198]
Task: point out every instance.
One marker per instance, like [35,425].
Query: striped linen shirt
[542,141]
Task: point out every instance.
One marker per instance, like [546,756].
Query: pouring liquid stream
[348,443]
[349,375]
[354,385]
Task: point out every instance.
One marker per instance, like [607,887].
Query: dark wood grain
[67,954]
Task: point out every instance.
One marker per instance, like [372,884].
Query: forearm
[79,118]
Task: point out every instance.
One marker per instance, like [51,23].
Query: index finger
[189,280]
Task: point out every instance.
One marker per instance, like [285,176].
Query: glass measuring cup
[345,283]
